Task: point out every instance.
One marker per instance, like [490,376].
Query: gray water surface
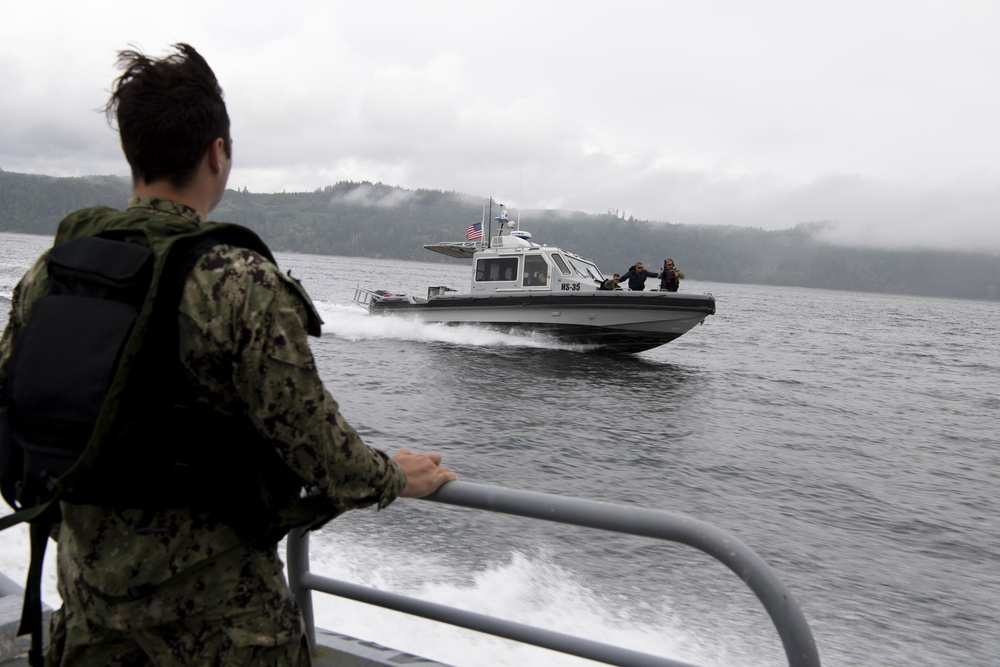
[850,439]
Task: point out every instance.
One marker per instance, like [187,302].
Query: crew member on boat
[670,276]
[611,283]
[637,275]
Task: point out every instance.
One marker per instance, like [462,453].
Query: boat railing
[365,297]
[788,619]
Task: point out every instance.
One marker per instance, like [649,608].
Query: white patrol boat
[519,285]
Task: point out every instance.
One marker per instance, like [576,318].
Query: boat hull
[607,321]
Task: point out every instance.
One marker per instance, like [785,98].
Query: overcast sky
[882,116]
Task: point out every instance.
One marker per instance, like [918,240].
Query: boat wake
[527,588]
[353,323]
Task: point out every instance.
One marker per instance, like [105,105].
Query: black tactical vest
[98,411]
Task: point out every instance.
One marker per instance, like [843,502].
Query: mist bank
[381,221]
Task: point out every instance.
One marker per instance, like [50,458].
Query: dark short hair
[169,111]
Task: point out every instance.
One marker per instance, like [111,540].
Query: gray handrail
[792,627]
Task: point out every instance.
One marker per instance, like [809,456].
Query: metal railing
[796,637]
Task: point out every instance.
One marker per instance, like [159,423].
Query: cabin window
[586,269]
[561,263]
[536,271]
[495,269]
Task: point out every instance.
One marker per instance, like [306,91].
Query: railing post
[297,550]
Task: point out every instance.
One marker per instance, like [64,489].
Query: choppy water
[851,439]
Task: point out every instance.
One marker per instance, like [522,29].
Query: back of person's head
[169,111]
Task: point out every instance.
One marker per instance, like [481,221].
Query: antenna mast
[482,224]
[520,198]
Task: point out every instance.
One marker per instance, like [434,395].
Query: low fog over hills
[377,220]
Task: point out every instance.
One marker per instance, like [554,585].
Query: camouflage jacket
[243,343]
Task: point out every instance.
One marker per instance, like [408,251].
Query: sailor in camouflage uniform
[179,587]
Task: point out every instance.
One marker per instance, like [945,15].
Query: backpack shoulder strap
[31,609]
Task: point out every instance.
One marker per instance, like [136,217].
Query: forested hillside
[376,220]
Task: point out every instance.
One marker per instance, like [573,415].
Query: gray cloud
[878,117]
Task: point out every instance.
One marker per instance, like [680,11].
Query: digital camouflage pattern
[243,333]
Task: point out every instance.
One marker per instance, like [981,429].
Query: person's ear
[217,155]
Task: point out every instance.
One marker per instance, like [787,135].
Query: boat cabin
[513,263]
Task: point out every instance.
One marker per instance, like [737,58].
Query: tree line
[366,219]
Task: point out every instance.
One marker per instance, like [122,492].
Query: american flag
[474,231]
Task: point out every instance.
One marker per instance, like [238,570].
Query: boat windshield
[585,269]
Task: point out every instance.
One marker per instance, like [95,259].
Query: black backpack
[45,429]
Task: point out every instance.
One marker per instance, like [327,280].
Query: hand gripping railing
[800,648]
